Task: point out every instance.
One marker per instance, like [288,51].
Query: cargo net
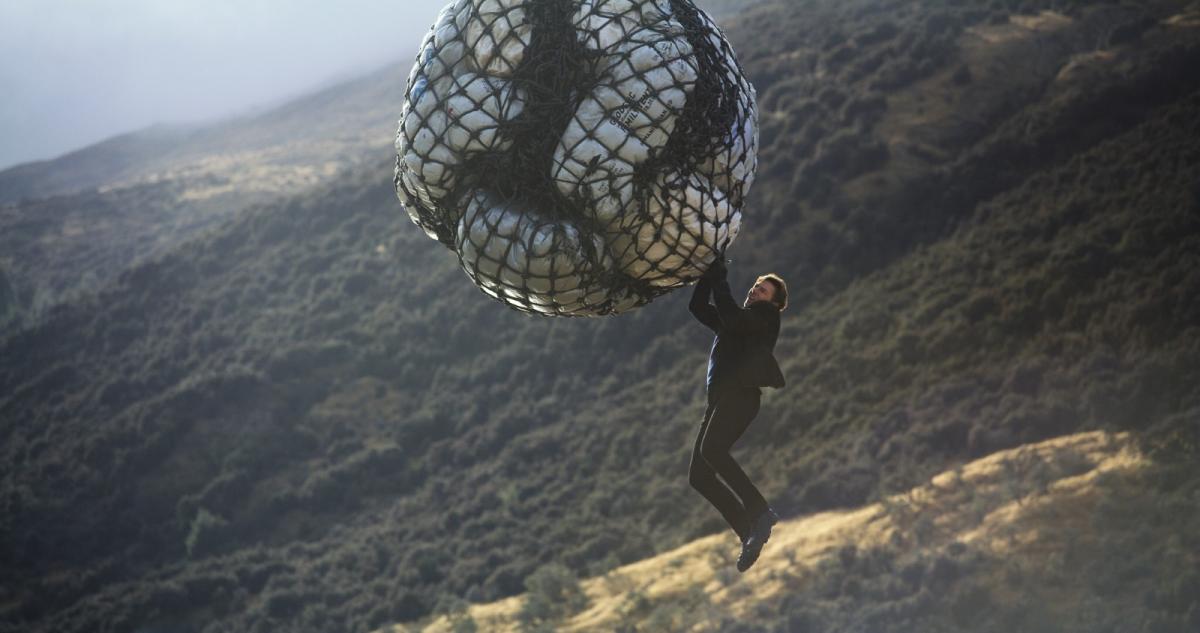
[581,156]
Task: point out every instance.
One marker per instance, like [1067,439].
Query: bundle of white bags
[631,209]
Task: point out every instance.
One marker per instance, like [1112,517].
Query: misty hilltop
[239,390]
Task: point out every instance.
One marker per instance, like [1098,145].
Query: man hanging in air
[741,362]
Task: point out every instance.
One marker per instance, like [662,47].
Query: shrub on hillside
[552,593]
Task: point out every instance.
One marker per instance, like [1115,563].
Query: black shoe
[759,536]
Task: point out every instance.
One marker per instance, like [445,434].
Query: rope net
[581,156]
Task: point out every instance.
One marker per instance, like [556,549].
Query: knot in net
[581,156]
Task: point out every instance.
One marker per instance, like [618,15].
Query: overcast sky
[73,72]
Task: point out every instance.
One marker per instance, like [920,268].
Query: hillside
[303,417]
[68,226]
[967,550]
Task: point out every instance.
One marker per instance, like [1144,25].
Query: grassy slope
[308,420]
[1023,539]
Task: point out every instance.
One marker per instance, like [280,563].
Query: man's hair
[780,289]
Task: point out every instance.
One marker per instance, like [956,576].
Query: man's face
[762,290]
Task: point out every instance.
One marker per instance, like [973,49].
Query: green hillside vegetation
[305,418]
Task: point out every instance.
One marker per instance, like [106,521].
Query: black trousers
[713,472]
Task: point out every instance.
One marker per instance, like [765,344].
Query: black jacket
[742,350]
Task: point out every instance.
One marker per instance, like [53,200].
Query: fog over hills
[239,390]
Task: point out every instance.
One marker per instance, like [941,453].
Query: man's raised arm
[701,308]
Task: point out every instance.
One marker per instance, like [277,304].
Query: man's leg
[703,478]
[730,418]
